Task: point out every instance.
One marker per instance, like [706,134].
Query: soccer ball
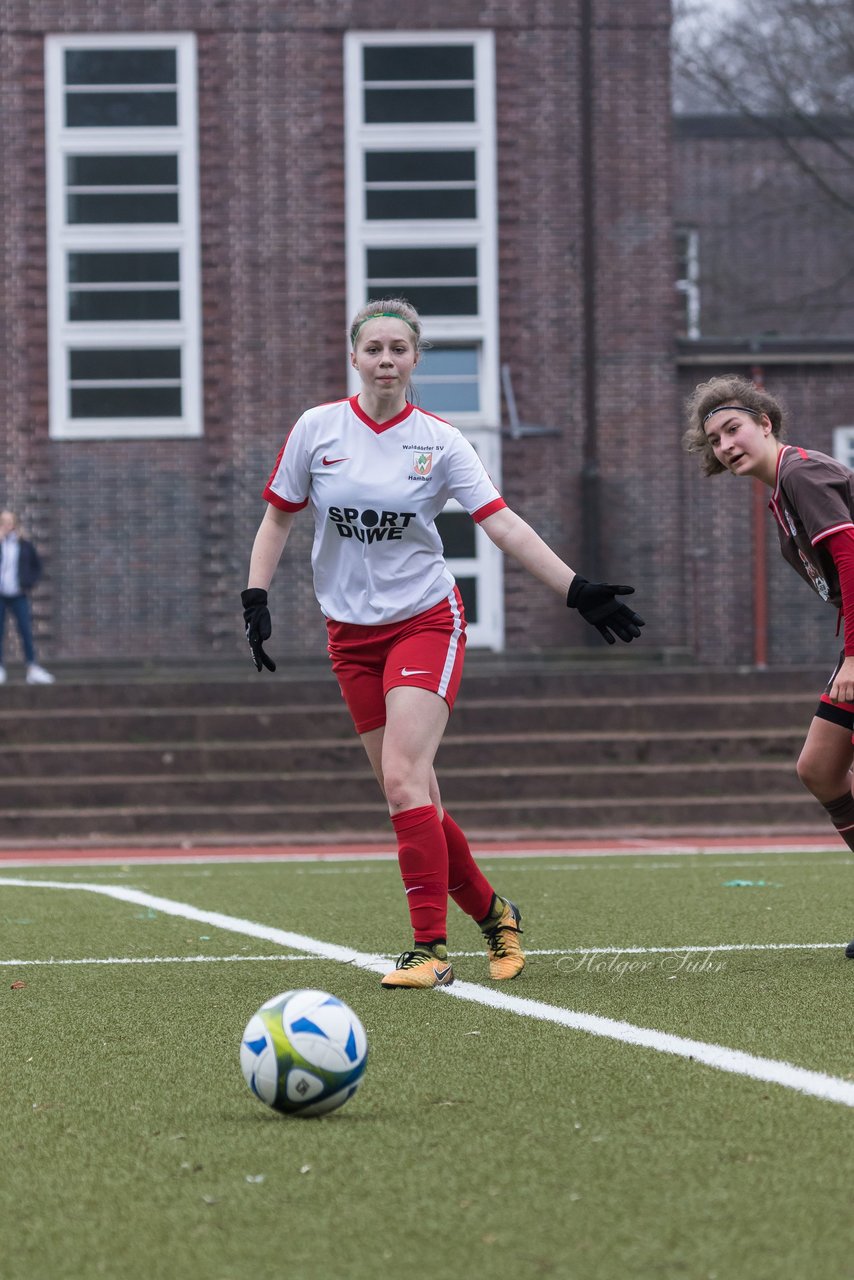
[304,1053]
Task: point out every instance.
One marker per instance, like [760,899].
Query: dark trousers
[19,607]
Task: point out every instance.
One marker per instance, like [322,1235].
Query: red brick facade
[775,265]
[147,542]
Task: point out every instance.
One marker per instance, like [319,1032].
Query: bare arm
[515,538]
[269,544]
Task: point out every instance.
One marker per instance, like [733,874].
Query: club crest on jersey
[422,465]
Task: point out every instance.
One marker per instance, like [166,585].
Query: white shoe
[38,675]
[2,675]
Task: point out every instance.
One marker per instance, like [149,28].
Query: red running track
[347,851]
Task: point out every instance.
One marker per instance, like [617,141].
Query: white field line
[813,1083]
[388,956]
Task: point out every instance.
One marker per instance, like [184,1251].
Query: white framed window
[124,305]
[843,445]
[422,223]
[688,280]
[422,203]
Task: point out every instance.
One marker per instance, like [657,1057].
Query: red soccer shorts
[425,652]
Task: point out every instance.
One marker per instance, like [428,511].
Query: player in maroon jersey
[376,471]
[738,427]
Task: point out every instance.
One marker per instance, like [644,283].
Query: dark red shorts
[425,652]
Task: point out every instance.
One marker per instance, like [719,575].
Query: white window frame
[181,237]
[843,446]
[480,232]
[689,284]
[482,427]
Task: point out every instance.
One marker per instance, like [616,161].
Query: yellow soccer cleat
[420,969]
[506,957]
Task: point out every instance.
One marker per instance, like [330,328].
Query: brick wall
[776,255]
[147,542]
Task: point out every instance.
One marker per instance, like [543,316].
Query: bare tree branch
[785,65]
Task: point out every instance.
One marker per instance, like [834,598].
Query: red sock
[467,884]
[423,857]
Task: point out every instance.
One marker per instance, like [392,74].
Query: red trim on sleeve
[841,547]
[828,533]
[282,503]
[497,504]
[270,496]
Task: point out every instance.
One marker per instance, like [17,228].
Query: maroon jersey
[812,499]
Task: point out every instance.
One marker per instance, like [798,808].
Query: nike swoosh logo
[414,671]
[442,975]
[330,462]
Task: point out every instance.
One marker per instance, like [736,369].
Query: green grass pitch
[482,1140]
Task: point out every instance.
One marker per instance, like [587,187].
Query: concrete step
[486,677]
[529,747]
[506,817]
[662,784]
[167,759]
[302,723]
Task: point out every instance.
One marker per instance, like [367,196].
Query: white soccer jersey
[375,491]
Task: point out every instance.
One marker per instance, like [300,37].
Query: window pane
[156,207]
[449,397]
[403,263]
[456,529]
[107,268]
[448,381]
[418,106]
[120,110]
[159,304]
[681,255]
[419,166]
[125,402]
[468,591]
[122,171]
[120,66]
[419,62]
[448,361]
[434,300]
[423,203]
[112,363]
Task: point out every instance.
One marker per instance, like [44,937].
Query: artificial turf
[480,1140]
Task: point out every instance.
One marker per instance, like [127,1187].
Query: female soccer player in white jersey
[376,471]
[737,427]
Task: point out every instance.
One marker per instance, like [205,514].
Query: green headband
[379,315]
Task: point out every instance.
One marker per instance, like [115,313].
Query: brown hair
[394,308]
[731,389]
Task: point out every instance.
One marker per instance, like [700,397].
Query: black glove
[259,626]
[596,604]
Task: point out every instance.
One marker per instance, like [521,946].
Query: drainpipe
[590,476]
[760,565]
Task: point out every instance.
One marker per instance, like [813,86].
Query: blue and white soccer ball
[304,1053]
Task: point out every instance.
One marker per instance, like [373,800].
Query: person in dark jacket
[20,570]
